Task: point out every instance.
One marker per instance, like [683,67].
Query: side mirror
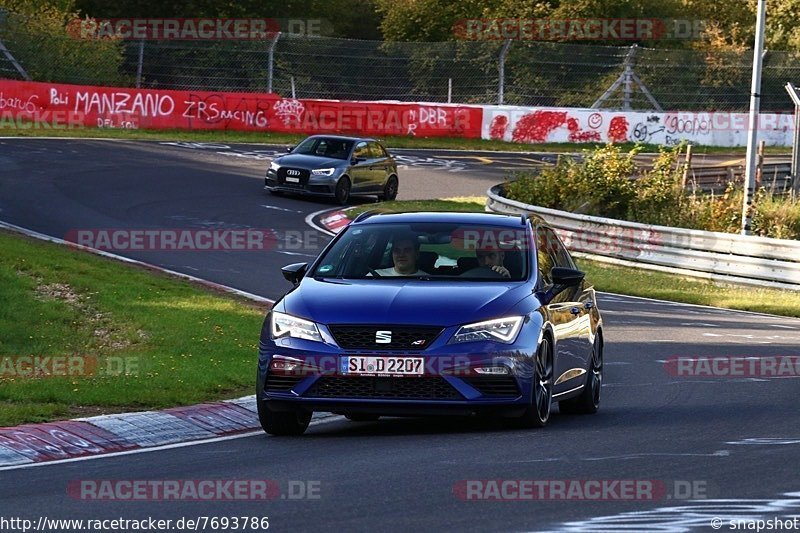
[356,160]
[294,272]
[566,277]
[289,149]
[563,278]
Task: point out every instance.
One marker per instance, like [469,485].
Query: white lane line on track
[644,455]
[313,423]
[280,208]
[293,253]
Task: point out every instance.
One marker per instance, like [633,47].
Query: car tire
[537,413]
[355,417]
[588,402]
[342,191]
[282,422]
[390,189]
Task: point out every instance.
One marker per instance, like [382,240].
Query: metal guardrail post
[627,91]
[687,167]
[760,163]
[792,90]
[140,65]
[271,60]
[501,67]
[752,130]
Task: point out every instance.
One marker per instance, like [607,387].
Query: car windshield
[428,251]
[325,147]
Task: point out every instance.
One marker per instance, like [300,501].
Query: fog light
[492,370]
[284,366]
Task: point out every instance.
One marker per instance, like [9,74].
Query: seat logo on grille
[383,337]
[418,343]
[292,172]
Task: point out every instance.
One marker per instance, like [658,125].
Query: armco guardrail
[719,256]
[775,177]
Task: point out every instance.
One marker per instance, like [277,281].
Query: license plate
[359,365]
[292,180]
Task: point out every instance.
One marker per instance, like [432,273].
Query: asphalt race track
[732,444]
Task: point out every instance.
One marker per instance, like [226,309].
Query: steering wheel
[374,273]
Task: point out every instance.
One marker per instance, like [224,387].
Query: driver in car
[405,256]
[490,265]
[493,260]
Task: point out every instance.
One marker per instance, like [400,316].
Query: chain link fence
[485,72]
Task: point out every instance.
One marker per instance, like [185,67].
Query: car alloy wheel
[342,190]
[588,402]
[537,414]
[390,189]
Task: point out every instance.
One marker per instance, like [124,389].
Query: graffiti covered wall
[107,107]
[24,103]
[543,124]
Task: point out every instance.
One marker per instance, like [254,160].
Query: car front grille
[301,174]
[278,383]
[413,338]
[494,386]
[424,388]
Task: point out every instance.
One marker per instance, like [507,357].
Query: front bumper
[448,387]
[310,189]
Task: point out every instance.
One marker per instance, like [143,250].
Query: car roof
[453,217]
[344,137]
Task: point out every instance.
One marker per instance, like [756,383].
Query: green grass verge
[635,281]
[392,141]
[182,344]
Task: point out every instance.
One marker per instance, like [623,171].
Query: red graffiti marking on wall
[499,127]
[618,130]
[536,126]
[578,136]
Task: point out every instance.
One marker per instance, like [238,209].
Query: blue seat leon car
[420,314]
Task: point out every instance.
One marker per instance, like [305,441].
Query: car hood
[309,162]
[403,301]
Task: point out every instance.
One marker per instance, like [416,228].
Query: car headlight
[274,166]
[323,171]
[499,330]
[284,325]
